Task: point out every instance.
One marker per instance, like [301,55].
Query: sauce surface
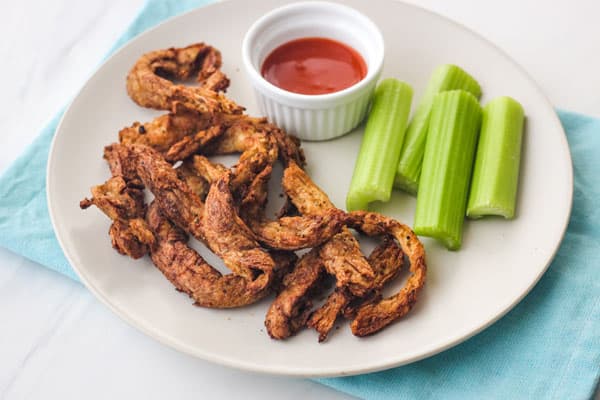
[314,65]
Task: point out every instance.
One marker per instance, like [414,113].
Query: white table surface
[56,339]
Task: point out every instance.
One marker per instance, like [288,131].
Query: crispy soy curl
[191,274]
[149,83]
[213,222]
[373,317]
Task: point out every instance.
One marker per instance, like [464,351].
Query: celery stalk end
[405,184]
[481,211]
[450,241]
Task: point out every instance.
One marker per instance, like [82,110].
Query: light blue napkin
[548,347]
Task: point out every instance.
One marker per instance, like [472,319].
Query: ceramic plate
[466,291]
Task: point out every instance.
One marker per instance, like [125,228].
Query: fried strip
[164,131]
[251,138]
[342,258]
[181,134]
[189,145]
[243,133]
[298,232]
[373,317]
[259,151]
[288,232]
[323,319]
[217,82]
[291,308]
[386,260]
[289,147]
[215,222]
[121,163]
[121,198]
[131,238]
[197,183]
[148,81]
[207,169]
[176,200]
[117,199]
[191,274]
[228,236]
[123,203]
[341,254]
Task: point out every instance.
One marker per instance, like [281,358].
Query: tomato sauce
[314,65]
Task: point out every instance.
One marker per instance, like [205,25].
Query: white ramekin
[314,117]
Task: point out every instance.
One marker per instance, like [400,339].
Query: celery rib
[496,171]
[447,165]
[445,77]
[374,171]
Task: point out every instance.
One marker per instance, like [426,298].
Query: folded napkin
[548,347]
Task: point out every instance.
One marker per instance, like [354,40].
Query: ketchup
[314,65]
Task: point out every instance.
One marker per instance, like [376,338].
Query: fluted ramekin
[323,116]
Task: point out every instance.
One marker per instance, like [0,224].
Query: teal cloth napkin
[548,347]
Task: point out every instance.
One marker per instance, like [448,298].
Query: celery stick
[496,171]
[380,148]
[447,165]
[445,77]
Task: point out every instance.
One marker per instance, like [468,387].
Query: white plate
[466,290]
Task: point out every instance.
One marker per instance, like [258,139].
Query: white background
[56,340]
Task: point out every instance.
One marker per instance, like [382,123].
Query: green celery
[447,166]
[445,77]
[496,171]
[374,170]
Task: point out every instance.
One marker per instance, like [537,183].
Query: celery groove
[447,165]
[374,171]
[496,171]
[445,77]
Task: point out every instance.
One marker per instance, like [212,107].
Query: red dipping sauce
[314,66]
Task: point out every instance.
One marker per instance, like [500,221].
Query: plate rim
[313,372]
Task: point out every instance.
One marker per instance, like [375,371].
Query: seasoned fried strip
[148,81]
[183,133]
[164,131]
[298,232]
[386,260]
[121,198]
[342,258]
[251,138]
[373,317]
[215,222]
[189,145]
[121,163]
[323,319]
[288,232]
[191,274]
[207,169]
[217,82]
[123,203]
[290,310]
[341,254]
[196,182]
[117,199]
[228,236]
[259,151]
[131,237]
[289,147]
[175,199]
